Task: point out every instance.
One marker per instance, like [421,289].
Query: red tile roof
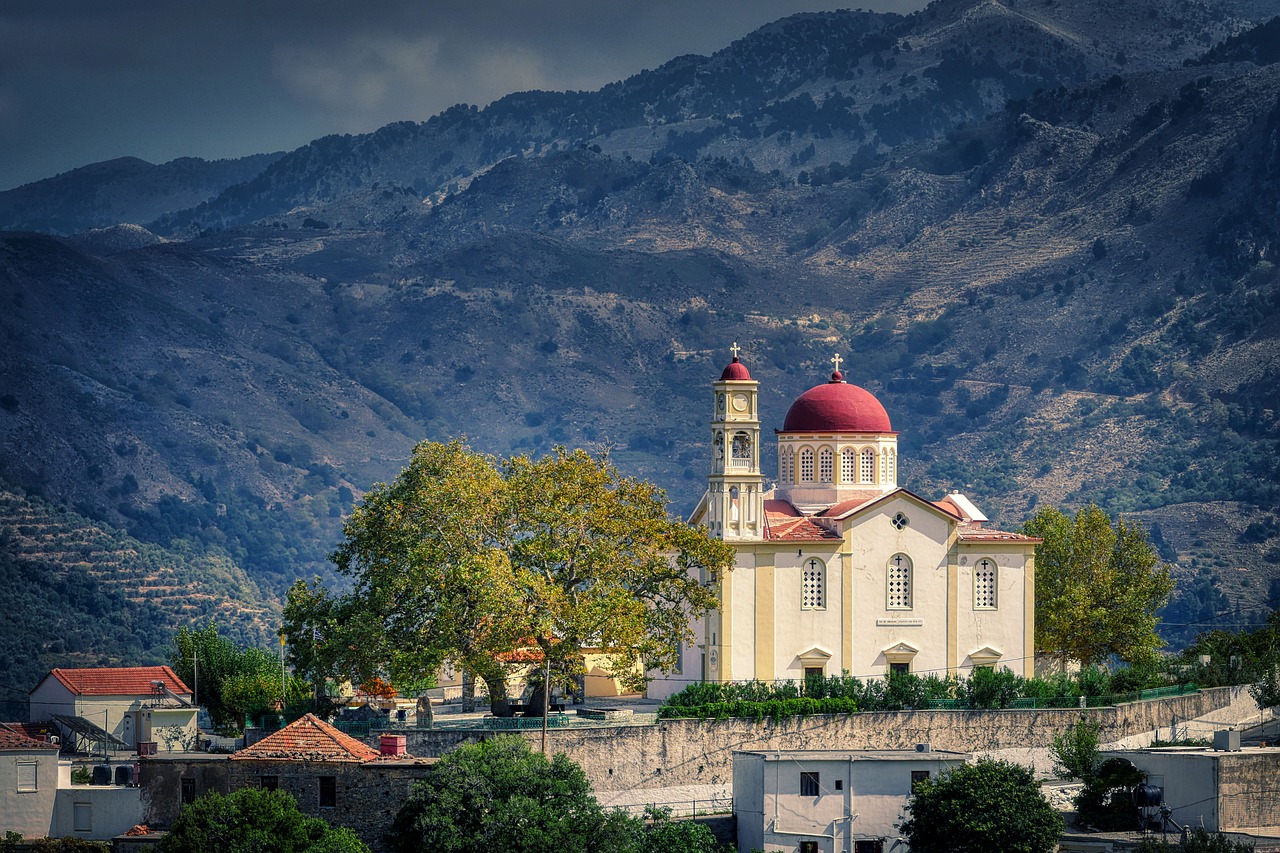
[970,532]
[117,681]
[851,503]
[309,738]
[795,529]
[17,741]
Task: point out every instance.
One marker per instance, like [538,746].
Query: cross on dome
[735,349]
[835,359]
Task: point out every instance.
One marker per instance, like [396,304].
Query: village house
[123,707]
[331,774]
[824,801]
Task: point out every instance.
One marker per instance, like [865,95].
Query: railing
[1043,702]
[364,728]
[713,805]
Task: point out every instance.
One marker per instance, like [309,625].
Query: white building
[825,801]
[37,798]
[839,569]
[1219,790]
[137,704]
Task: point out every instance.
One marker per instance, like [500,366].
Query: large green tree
[1099,584]
[978,808]
[498,795]
[252,820]
[465,557]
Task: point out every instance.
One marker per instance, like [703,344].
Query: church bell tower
[735,505]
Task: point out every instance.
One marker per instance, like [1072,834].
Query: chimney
[392,745]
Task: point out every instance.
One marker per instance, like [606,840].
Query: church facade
[839,569]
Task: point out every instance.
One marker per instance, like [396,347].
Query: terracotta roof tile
[970,532]
[117,681]
[791,529]
[17,741]
[849,504]
[309,738]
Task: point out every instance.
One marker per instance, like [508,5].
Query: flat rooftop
[855,754]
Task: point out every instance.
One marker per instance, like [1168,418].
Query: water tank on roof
[124,774]
[101,774]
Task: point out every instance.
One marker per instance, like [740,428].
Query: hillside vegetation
[1042,233]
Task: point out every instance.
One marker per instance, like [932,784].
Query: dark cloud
[86,80]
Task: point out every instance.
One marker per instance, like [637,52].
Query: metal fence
[713,805]
[1045,702]
[364,728]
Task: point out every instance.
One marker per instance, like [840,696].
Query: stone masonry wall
[700,752]
[1248,790]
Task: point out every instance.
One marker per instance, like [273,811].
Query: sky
[82,81]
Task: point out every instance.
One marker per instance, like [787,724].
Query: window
[899,669]
[848,465]
[808,784]
[814,589]
[328,792]
[269,783]
[892,457]
[786,465]
[899,521]
[806,465]
[27,777]
[984,585]
[899,582]
[867,474]
[718,444]
[839,784]
[813,674]
[826,465]
[918,776]
[733,503]
[868,845]
[741,450]
[82,817]
[808,847]
[188,791]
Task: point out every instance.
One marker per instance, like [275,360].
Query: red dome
[736,371]
[836,407]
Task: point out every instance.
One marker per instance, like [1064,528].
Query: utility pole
[546,698]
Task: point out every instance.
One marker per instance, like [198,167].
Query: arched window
[826,465]
[741,450]
[867,473]
[899,582]
[806,465]
[786,465]
[848,465]
[733,503]
[813,590]
[718,447]
[891,460]
[984,584]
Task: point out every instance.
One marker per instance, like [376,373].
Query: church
[839,569]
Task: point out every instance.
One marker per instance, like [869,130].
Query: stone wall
[700,752]
[1249,789]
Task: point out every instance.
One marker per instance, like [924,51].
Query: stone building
[840,569]
[331,774]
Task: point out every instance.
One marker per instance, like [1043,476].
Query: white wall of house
[119,715]
[96,812]
[861,795]
[28,786]
[1189,780]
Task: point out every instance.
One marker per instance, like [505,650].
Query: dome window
[826,465]
[806,465]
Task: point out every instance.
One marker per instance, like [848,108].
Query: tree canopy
[977,808]
[1099,584]
[466,557]
[252,820]
[498,795]
[233,682]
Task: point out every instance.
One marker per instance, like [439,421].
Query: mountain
[1042,234]
[124,190]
